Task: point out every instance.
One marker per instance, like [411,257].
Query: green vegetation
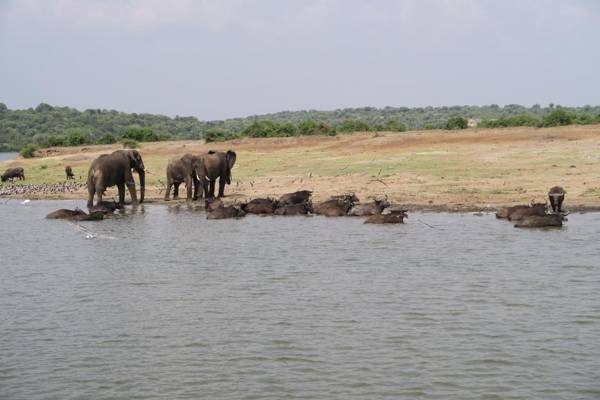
[130,144]
[456,123]
[47,126]
[28,150]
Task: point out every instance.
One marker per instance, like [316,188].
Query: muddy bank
[41,191]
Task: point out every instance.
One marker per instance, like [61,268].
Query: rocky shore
[46,190]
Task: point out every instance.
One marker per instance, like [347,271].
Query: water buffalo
[299,197]
[394,217]
[12,173]
[211,204]
[556,196]
[223,212]
[540,221]
[294,209]
[364,210]
[538,209]
[69,172]
[76,215]
[336,206]
[260,206]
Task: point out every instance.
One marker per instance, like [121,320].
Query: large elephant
[115,169]
[189,169]
[218,164]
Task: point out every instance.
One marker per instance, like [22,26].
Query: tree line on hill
[47,126]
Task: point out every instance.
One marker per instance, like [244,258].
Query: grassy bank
[476,167]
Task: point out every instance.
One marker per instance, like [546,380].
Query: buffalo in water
[298,197]
[393,217]
[517,212]
[336,206]
[76,215]
[294,209]
[12,173]
[260,206]
[556,195]
[365,210]
[540,221]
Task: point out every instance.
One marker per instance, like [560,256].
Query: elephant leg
[168,192]
[211,188]
[91,193]
[188,186]
[131,187]
[121,189]
[176,190]
[196,184]
[221,186]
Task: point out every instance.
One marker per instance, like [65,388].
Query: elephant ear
[230,156]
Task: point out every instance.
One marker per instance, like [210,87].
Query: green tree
[28,151]
[456,122]
[107,139]
[558,117]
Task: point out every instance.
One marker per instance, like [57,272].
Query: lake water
[8,156]
[161,303]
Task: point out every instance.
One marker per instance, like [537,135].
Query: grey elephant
[188,169]
[115,169]
[12,173]
[218,164]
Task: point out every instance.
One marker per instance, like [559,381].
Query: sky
[233,58]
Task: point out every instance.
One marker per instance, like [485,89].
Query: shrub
[140,134]
[456,123]
[55,141]
[107,139]
[130,144]
[354,125]
[44,166]
[217,135]
[263,128]
[558,117]
[307,127]
[75,139]
[28,151]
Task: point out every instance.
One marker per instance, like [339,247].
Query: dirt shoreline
[452,171]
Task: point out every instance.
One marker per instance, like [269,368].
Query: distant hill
[47,125]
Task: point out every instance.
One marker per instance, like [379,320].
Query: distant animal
[211,204]
[556,196]
[260,206]
[394,217]
[218,164]
[294,209]
[538,209]
[12,173]
[76,215]
[336,206]
[188,169]
[223,212]
[115,169]
[364,210]
[69,172]
[298,197]
[540,221]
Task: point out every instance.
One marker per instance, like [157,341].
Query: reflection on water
[163,303]
[8,156]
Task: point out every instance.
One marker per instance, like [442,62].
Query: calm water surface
[8,156]
[163,304]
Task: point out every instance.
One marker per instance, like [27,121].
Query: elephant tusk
[197,176]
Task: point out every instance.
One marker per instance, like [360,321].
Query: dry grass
[474,167]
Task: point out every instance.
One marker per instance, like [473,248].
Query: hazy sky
[228,58]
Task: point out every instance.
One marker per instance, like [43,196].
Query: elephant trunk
[142,184]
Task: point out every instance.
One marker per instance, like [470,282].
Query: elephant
[294,209]
[11,173]
[76,215]
[393,217]
[299,197]
[365,210]
[260,206]
[223,212]
[540,221]
[218,164]
[336,206]
[556,196]
[69,172]
[188,169]
[538,209]
[115,169]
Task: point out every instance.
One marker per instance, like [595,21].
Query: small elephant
[69,172]
[260,206]
[299,197]
[188,169]
[115,169]
[218,164]
[12,173]
[365,210]
[556,196]
[540,221]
